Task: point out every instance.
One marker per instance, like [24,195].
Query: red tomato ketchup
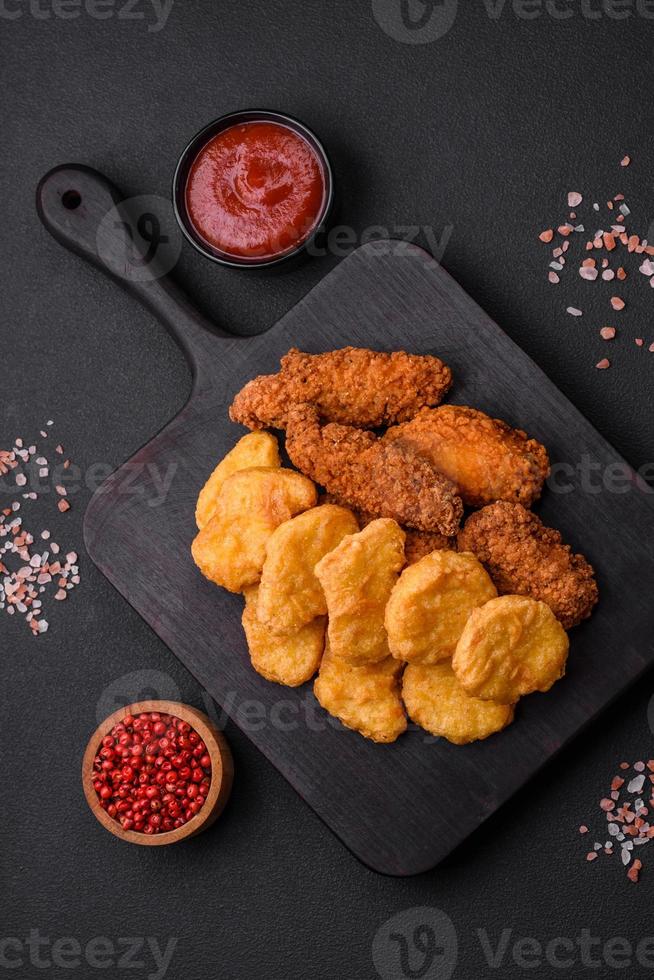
[256,190]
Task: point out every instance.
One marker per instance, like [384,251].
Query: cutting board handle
[78,206]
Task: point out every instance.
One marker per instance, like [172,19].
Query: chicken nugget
[254,449]
[371,475]
[230,550]
[357,578]
[435,700]
[365,698]
[353,386]
[430,605]
[524,557]
[290,594]
[291,660]
[510,647]
[484,457]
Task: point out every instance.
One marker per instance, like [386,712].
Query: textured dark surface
[485,129]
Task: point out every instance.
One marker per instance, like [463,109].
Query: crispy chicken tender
[254,449]
[524,557]
[430,605]
[484,457]
[371,475]
[291,660]
[435,700]
[353,386]
[290,594]
[509,647]
[357,578]
[365,698]
[230,550]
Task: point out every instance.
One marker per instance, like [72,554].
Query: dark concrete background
[483,129]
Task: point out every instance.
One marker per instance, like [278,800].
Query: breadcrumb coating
[483,456]
[417,543]
[352,386]
[523,557]
[371,475]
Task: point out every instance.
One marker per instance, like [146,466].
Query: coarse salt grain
[587,272]
[20,590]
[634,871]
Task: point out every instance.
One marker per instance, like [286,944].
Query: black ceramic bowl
[190,154]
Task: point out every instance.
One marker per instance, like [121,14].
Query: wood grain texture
[400,808]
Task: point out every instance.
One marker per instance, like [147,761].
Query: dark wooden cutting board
[400,808]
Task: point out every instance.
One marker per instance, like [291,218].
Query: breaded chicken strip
[353,386]
[370,475]
[523,557]
[484,457]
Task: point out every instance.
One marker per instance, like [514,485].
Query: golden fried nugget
[290,595]
[364,698]
[512,646]
[291,660]
[484,457]
[254,449]
[435,700]
[230,550]
[430,604]
[358,577]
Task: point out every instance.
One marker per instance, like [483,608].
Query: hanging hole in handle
[71,200]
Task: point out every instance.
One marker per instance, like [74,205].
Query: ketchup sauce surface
[256,190]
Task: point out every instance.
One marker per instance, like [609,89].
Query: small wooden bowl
[222,773]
